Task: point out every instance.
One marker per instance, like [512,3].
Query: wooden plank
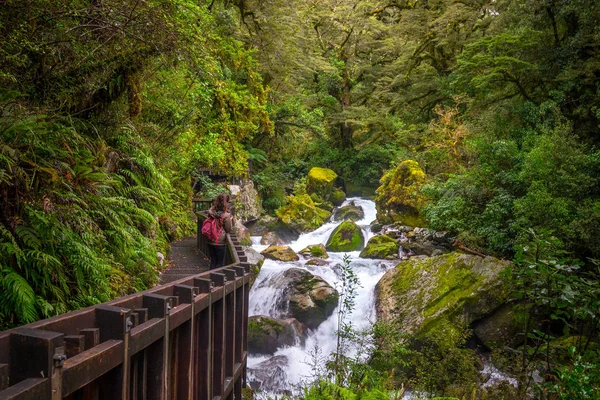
[28,389]
[145,334]
[185,345]
[3,376]
[74,344]
[85,367]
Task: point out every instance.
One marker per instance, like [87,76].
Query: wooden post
[218,325]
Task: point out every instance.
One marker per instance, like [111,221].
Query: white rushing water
[264,297]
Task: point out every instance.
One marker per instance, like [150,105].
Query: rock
[351,211]
[319,262]
[425,248]
[262,225]
[315,250]
[160,257]
[250,204]
[269,374]
[501,328]
[376,228]
[266,335]
[302,214]
[338,197]
[170,228]
[446,292]
[256,260]
[280,253]
[346,237]
[380,247]
[309,298]
[399,197]
[271,239]
[320,181]
[242,233]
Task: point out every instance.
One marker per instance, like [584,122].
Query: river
[264,297]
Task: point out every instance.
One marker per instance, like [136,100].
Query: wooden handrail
[183,340]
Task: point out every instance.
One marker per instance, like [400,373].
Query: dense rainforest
[476,117]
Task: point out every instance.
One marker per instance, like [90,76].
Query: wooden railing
[183,340]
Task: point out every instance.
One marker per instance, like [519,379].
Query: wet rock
[376,228]
[380,247]
[424,248]
[266,335]
[346,237]
[261,226]
[271,239]
[242,233]
[351,211]
[443,293]
[315,250]
[309,298]
[319,262]
[280,253]
[338,197]
[269,374]
[256,260]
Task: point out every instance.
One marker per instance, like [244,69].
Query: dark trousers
[217,255]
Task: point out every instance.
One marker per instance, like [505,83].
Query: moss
[338,197]
[399,196]
[317,251]
[380,246]
[302,214]
[320,181]
[346,237]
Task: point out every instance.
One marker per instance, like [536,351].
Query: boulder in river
[256,260]
[271,239]
[346,237]
[315,250]
[302,214]
[381,247]
[310,299]
[351,211]
[280,253]
[320,181]
[338,197]
[266,335]
[447,292]
[319,262]
[269,374]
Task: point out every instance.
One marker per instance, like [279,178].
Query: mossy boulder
[346,237]
[302,214]
[266,335]
[338,197]
[381,247]
[315,250]
[441,294]
[351,211]
[320,181]
[280,253]
[310,299]
[501,328]
[399,197]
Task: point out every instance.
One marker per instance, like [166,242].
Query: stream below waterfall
[291,367]
[297,369]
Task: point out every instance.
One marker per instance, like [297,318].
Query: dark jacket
[226,220]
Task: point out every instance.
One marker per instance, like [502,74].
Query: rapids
[264,296]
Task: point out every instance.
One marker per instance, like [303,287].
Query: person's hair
[221,201]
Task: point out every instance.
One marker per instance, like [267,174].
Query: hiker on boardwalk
[222,222]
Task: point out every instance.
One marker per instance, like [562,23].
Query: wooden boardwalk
[185,260]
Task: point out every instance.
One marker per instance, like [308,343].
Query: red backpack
[212,228]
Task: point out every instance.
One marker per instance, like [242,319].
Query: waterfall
[294,368]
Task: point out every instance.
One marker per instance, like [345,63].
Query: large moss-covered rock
[302,214]
[320,181]
[446,292]
[266,335]
[399,198]
[310,299]
[380,247]
[346,237]
[315,250]
[338,197]
[501,328]
[280,253]
[351,211]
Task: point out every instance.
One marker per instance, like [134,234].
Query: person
[220,211]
